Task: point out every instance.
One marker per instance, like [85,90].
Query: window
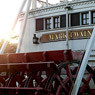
[48,23]
[75,19]
[56,22]
[39,24]
[85,18]
[93,17]
[63,21]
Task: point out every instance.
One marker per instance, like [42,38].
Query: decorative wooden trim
[61,6]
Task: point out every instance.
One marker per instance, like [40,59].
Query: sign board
[61,36]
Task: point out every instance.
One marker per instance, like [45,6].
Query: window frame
[93,17]
[48,24]
[56,23]
[75,19]
[86,18]
[63,21]
[39,24]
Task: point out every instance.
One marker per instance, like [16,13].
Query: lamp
[68,7]
[35,39]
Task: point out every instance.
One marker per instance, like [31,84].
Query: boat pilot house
[48,23]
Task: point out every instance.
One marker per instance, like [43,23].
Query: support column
[34,4]
[80,19]
[89,17]
[84,64]
[23,27]
[52,23]
[44,25]
[14,24]
[67,40]
[59,21]
[47,2]
[69,20]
